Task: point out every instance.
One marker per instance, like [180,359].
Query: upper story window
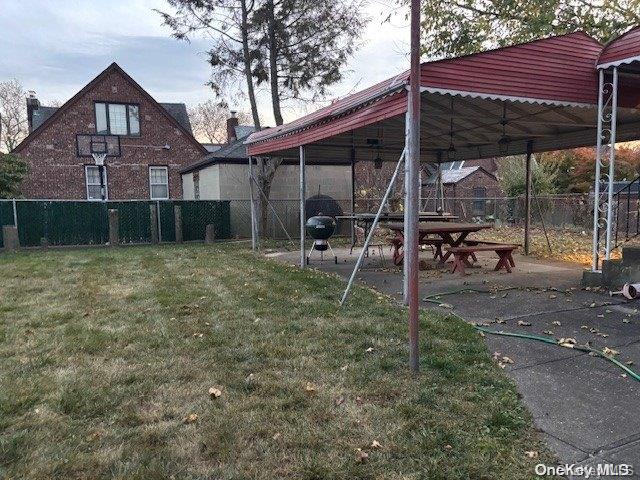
[117,119]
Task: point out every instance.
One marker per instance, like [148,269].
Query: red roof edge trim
[285,130]
[491,96]
[623,61]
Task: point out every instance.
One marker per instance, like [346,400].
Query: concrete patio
[586,409]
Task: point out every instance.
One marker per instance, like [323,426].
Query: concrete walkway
[587,411]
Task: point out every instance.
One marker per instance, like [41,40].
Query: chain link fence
[560,211]
[62,222]
[86,222]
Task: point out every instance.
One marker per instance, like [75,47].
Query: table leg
[503,262]
[459,263]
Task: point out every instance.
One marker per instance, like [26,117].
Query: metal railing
[627,213]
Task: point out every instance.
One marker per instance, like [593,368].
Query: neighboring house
[223,174]
[155,143]
[472,183]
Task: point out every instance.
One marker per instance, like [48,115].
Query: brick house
[469,187]
[155,142]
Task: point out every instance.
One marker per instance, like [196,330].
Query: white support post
[612,160]
[302,208]
[596,187]
[253,207]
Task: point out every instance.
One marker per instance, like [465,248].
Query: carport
[550,94]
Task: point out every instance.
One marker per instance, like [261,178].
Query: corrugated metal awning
[543,91]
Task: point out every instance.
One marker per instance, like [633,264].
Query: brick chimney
[32,104]
[232,123]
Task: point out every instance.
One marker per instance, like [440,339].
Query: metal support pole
[527,199]
[15,213]
[353,191]
[596,187]
[373,228]
[439,187]
[253,207]
[412,207]
[302,209]
[103,192]
[612,160]
[405,278]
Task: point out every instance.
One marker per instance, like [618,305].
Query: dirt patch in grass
[108,357]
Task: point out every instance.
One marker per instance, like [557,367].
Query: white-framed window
[92,179]
[159,183]
[117,118]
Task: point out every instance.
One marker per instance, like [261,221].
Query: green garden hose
[553,341]
[527,336]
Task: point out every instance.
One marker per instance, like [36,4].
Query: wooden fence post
[114,228]
[177,215]
[10,238]
[210,234]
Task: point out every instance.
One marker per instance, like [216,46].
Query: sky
[55,47]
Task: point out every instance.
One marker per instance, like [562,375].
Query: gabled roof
[177,110]
[114,67]
[455,176]
[553,71]
[621,50]
[234,152]
[41,114]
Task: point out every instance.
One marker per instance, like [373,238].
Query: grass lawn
[108,357]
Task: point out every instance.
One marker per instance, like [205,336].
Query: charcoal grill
[320,228]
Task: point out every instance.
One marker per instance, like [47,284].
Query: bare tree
[209,121]
[13,115]
[227,23]
[297,48]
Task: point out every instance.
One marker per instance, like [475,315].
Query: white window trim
[166,169]
[106,183]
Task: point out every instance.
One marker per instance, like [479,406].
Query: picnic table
[365,220]
[434,234]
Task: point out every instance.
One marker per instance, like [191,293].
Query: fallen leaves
[310,388]
[215,392]
[503,361]
[556,323]
[610,351]
[191,418]
[531,454]
[375,444]
[522,323]
[361,455]
[567,342]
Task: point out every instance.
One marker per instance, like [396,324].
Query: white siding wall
[230,182]
[210,183]
[187,186]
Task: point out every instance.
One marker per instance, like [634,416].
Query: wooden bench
[398,253]
[462,253]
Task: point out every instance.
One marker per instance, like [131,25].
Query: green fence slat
[87,222]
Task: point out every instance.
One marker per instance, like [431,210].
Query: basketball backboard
[89,145]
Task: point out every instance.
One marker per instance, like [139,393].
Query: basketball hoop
[98,158]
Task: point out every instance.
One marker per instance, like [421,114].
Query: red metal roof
[624,49]
[557,70]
